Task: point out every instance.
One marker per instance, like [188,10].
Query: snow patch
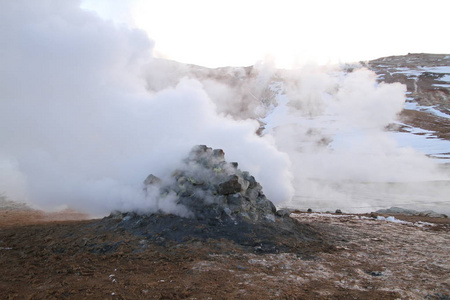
[392,219]
[430,109]
[440,69]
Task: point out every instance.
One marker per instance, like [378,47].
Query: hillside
[427,78]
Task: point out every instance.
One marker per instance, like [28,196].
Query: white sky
[217,33]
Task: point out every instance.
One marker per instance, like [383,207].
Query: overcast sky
[236,32]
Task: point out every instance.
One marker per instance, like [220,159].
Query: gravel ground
[42,257]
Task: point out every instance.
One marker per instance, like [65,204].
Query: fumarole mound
[218,201]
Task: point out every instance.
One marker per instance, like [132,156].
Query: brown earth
[439,126]
[42,258]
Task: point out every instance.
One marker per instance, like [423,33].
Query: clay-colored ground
[370,259]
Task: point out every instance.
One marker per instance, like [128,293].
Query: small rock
[231,186]
[152,179]
[219,154]
[270,218]
[375,273]
[283,213]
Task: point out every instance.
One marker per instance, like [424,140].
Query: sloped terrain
[426,76]
[427,79]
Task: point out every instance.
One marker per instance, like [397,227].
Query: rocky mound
[214,190]
[410,212]
[222,202]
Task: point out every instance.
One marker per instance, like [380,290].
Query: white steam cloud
[333,126]
[86,113]
[79,128]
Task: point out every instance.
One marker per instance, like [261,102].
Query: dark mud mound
[219,202]
[282,235]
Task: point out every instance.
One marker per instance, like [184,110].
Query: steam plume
[86,113]
[332,125]
[79,127]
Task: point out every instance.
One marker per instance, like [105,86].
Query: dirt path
[369,259]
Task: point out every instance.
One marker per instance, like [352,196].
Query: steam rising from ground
[333,126]
[79,127]
[86,114]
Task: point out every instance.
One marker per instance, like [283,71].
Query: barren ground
[42,258]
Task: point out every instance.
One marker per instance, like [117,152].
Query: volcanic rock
[212,189]
[223,202]
[283,213]
[231,186]
[152,179]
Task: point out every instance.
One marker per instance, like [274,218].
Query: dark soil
[88,259]
[282,235]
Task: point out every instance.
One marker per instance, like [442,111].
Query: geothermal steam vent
[218,201]
[212,189]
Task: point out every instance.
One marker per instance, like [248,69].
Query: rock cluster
[215,190]
[224,204]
